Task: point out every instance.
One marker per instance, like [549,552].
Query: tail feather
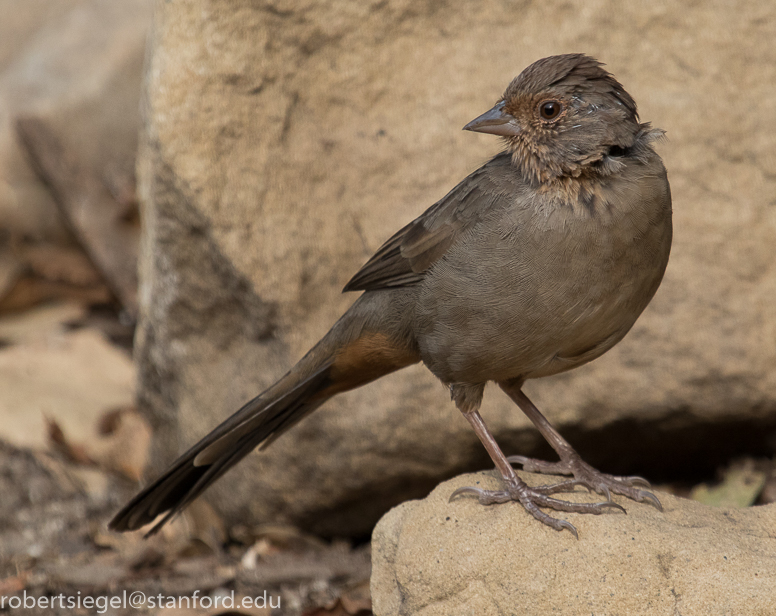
[260,421]
[370,340]
[278,416]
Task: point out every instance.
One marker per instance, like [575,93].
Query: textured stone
[434,557]
[284,142]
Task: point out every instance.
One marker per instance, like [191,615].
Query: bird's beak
[495,122]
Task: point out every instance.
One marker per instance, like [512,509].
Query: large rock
[283,143]
[436,558]
[77,66]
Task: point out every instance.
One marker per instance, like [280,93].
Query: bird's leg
[570,462]
[468,399]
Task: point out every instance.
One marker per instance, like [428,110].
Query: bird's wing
[405,257]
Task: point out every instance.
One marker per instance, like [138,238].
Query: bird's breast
[536,289]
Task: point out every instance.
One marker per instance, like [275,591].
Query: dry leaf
[66,264]
[72,451]
[30,290]
[70,379]
[123,443]
[355,601]
[740,487]
[263,547]
[41,323]
[287,537]
[14,584]
[34,273]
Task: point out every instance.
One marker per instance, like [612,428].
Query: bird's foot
[588,477]
[532,498]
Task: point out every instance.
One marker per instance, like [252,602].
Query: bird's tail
[369,341]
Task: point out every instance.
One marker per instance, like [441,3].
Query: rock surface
[77,65]
[432,557]
[284,143]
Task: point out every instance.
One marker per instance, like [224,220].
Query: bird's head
[564,117]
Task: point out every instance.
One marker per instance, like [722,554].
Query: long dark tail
[369,341]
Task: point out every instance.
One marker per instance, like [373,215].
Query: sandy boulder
[434,557]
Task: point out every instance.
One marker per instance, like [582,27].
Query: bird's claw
[648,496]
[588,477]
[533,498]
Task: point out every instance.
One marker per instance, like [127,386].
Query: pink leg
[516,488]
[570,462]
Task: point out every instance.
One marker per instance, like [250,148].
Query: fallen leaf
[740,486]
[263,547]
[58,263]
[149,557]
[124,449]
[34,273]
[13,584]
[71,379]
[92,482]
[122,442]
[286,536]
[206,525]
[30,290]
[354,601]
[40,323]
[71,451]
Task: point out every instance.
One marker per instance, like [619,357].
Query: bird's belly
[546,309]
[505,344]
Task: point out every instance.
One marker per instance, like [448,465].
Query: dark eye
[549,110]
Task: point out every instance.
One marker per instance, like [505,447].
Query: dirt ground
[54,543]
[73,449]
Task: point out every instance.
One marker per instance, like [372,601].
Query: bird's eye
[616,151]
[549,110]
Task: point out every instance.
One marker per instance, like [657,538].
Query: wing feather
[404,259]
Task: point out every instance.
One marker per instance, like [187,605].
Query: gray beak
[495,122]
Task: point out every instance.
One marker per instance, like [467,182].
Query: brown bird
[539,261]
